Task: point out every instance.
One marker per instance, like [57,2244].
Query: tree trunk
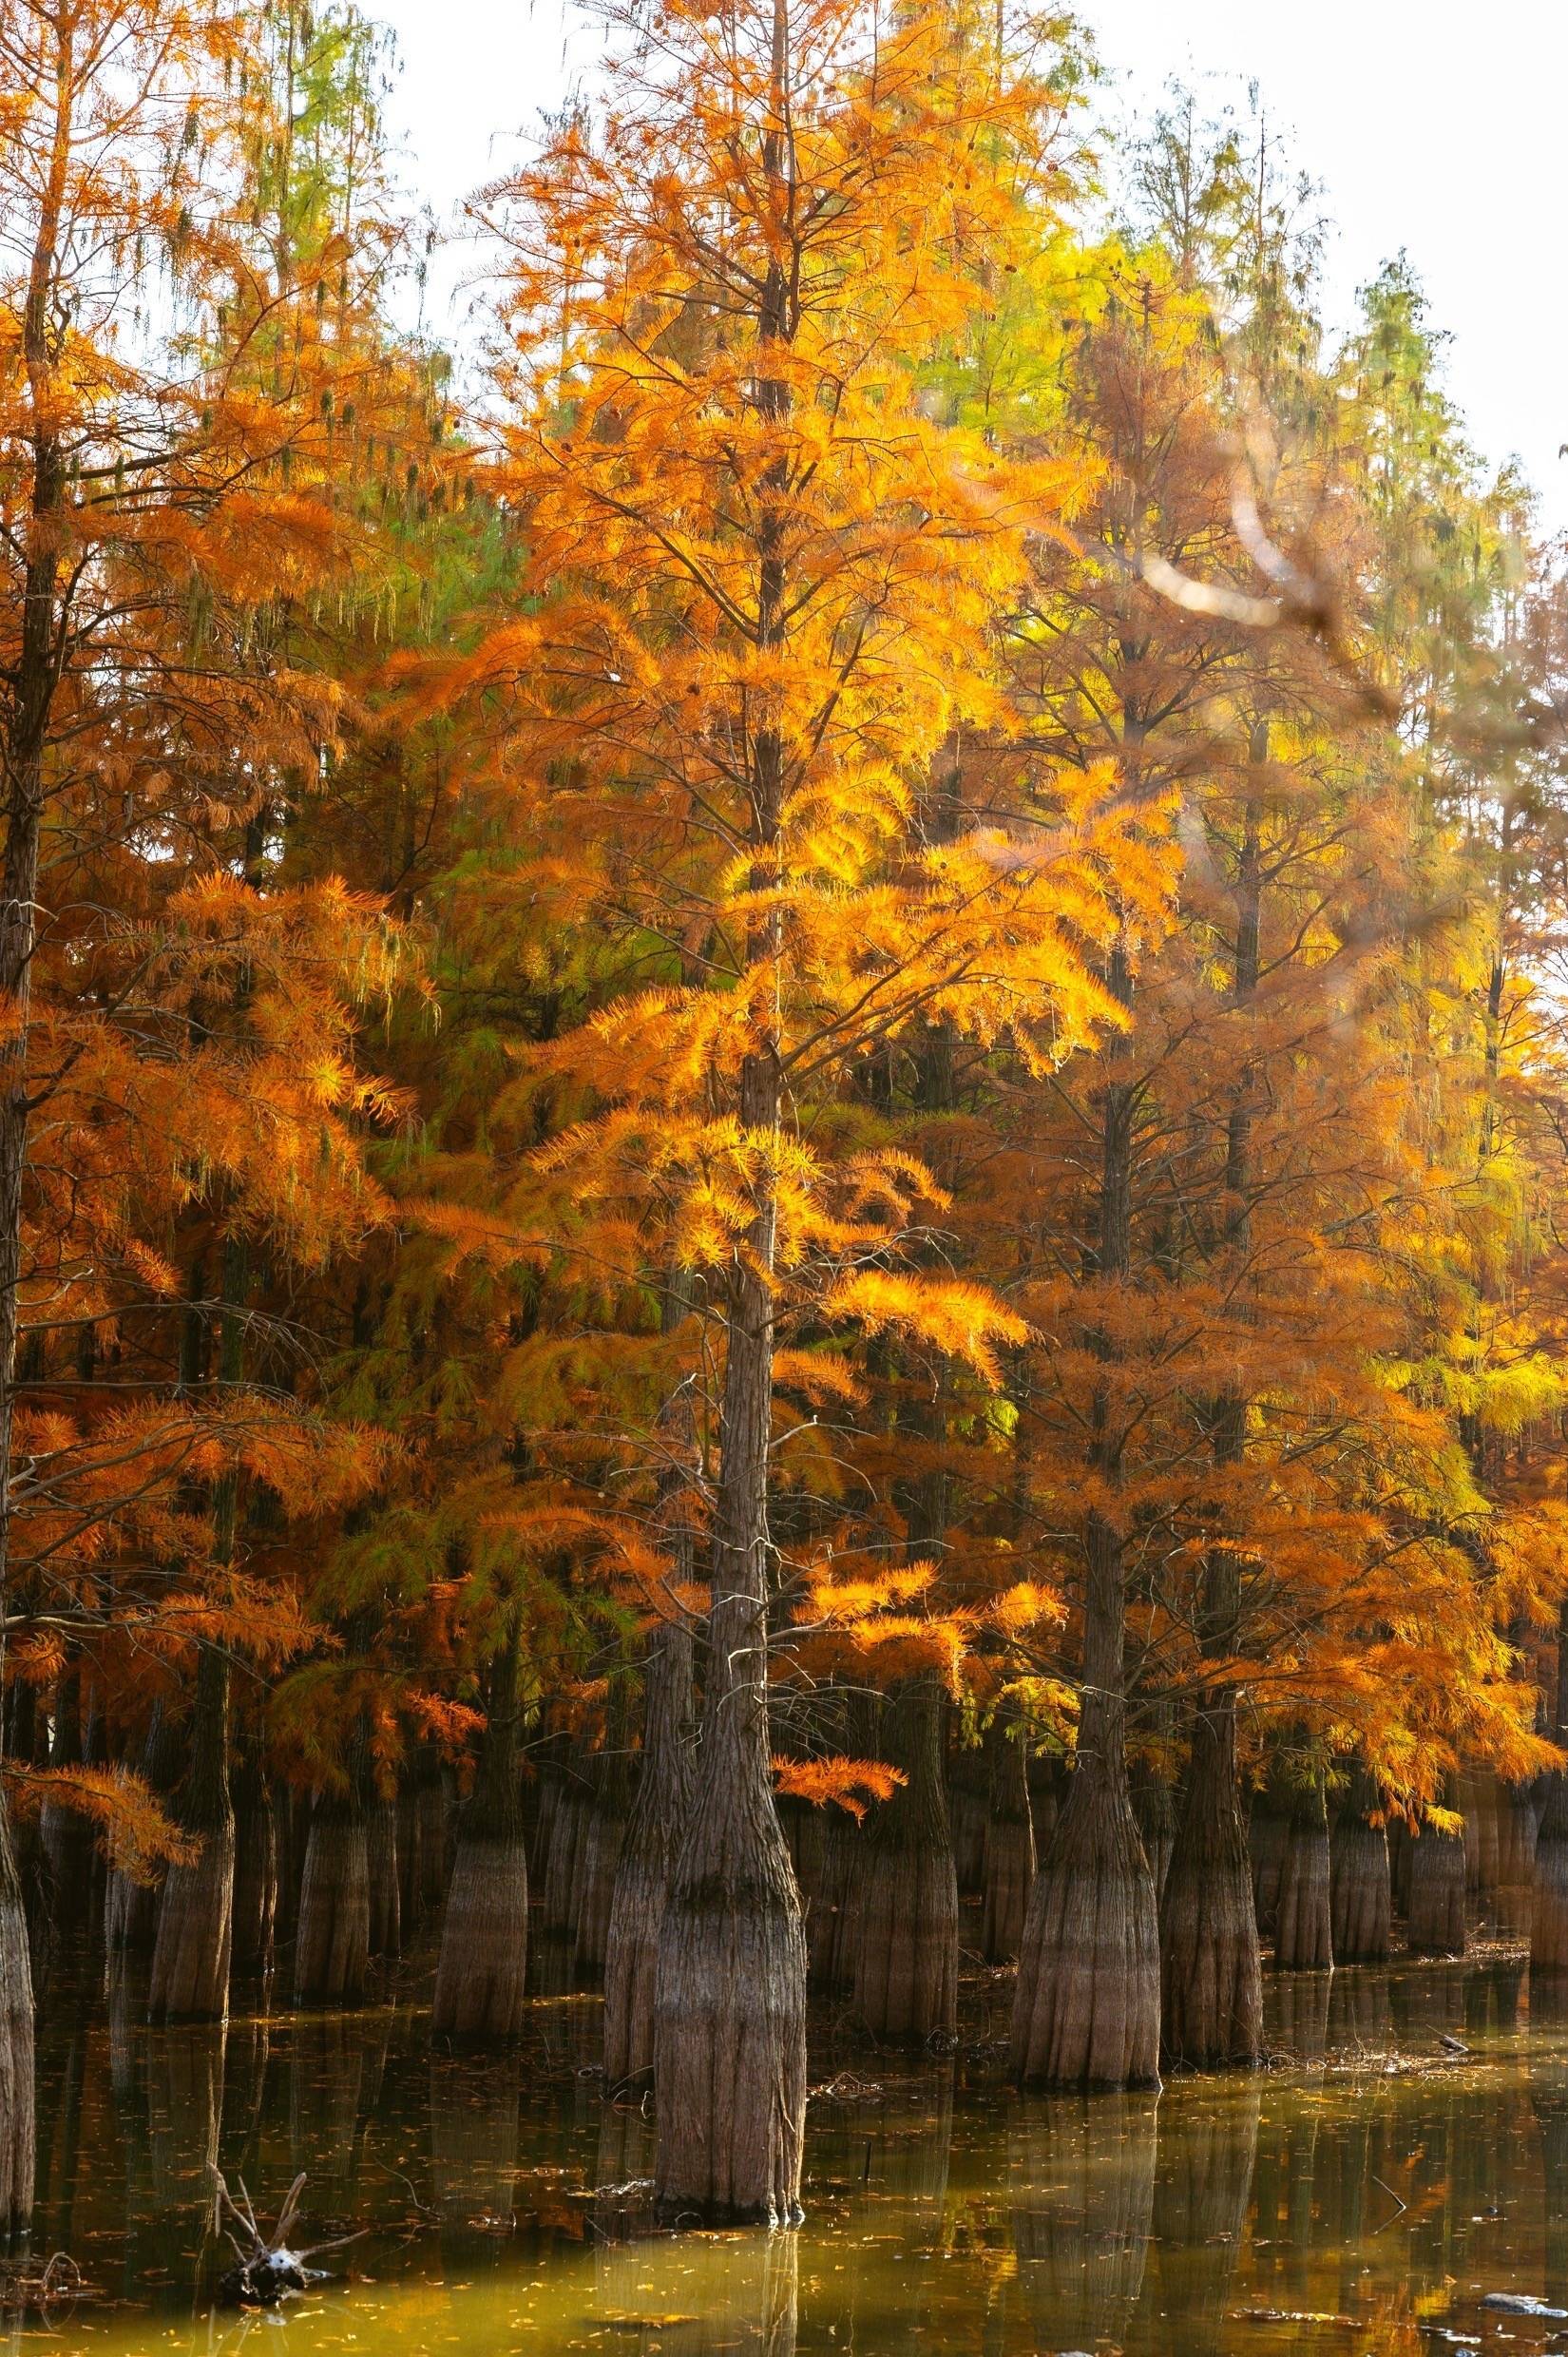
[831,1924]
[562,1868]
[130,1917]
[653,1834]
[255,1877]
[1360,1885]
[1303,1937]
[1549,1922]
[1436,1922]
[1210,1976]
[386,1897]
[730,1991]
[1155,1810]
[1086,2012]
[907,1962]
[1087,2008]
[1010,1848]
[1518,1843]
[190,1963]
[331,1943]
[481,1981]
[603,1830]
[66,1835]
[968,1813]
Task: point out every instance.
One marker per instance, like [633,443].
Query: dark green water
[1361,2193]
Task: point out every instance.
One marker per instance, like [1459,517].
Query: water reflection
[1080,2173]
[1373,2180]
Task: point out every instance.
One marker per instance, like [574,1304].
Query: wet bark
[654,1830]
[1549,1919]
[1360,1884]
[190,1962]
[906,1961]
[481,1981]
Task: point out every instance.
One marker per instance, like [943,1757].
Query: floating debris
[266,2273]
[847,2087]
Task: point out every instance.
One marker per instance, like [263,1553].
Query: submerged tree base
[1087,2013]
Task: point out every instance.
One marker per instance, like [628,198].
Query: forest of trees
[783,1092]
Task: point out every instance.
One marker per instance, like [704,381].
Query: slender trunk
[1087,2007]
[33,681]
[481,1981]
[730,1995]
[730,1991]
[1211,1972]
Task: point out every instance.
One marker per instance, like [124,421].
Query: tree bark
[331,1943]
[1434,1926]
[1087,2007]
[906,1962]
[256,1875]
[730,1990]
[1210,1974]
[1303,1936]
[386,1897]
[1360,1885]
[1010,1848]
[654,1830]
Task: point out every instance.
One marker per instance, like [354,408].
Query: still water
[1363,2195]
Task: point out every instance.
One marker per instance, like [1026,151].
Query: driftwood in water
[266,2273]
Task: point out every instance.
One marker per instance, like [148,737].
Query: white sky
[1433,125]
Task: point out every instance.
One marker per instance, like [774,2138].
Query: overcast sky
[1435,126]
